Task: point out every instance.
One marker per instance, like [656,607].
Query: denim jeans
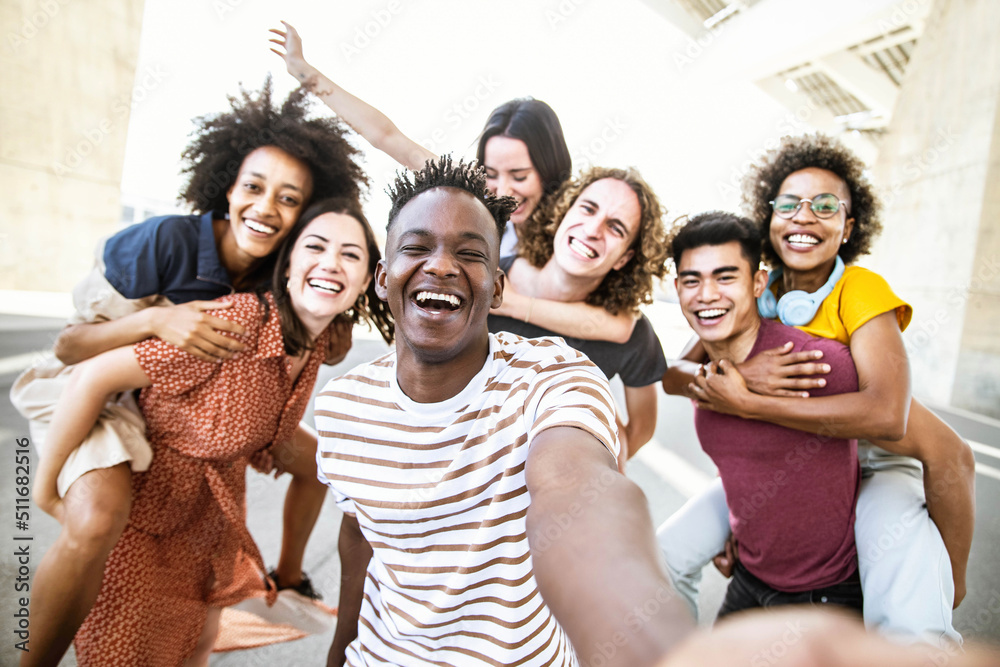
[748,592]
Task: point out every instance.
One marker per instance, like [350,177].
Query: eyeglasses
[822,206]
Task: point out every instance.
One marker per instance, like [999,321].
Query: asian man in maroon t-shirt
[791,494]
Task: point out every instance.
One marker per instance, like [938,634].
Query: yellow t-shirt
[858,296]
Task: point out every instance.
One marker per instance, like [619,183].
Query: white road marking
[982,449]
[982,468]
[988,471]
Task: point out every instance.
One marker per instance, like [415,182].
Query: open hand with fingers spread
[291,52]
[781,372]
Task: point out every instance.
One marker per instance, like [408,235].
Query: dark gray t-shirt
[639,362]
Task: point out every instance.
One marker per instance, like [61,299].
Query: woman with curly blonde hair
[603,246]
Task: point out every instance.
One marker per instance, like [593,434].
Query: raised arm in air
[366,120]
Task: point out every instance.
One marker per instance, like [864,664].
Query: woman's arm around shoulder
[188,326]
[883,379]
[576,319]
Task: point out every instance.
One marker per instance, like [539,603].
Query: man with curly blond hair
[603,246]
[630,285]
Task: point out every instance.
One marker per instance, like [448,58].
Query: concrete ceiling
[844,60]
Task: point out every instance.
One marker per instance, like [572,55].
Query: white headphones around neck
[797,308]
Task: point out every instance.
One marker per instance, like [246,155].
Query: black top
[639,362]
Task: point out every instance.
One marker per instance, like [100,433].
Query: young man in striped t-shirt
[484,519]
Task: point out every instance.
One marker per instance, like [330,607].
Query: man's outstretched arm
[812,637]
[595,555]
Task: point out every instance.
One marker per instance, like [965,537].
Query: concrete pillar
[977,376]
[939,172]
[68,70]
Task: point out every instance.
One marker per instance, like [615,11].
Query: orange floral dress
[186,547]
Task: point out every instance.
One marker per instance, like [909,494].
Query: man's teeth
[425,296]
[711,314]
[329,285]
[582,248]
[258,227]
[803,239]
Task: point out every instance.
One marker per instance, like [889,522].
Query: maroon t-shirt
[791,494]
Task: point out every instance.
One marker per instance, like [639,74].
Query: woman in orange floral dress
[186,552]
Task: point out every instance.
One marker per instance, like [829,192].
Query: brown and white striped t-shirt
[439,492]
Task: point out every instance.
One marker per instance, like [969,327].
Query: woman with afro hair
[818,214]
[252,171]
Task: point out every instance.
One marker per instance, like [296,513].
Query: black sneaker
[305,587]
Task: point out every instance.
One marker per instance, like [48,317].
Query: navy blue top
[170,255]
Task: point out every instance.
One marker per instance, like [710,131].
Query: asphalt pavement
[669,470]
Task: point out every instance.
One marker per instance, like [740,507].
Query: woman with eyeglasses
[818,214]
[525,155]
